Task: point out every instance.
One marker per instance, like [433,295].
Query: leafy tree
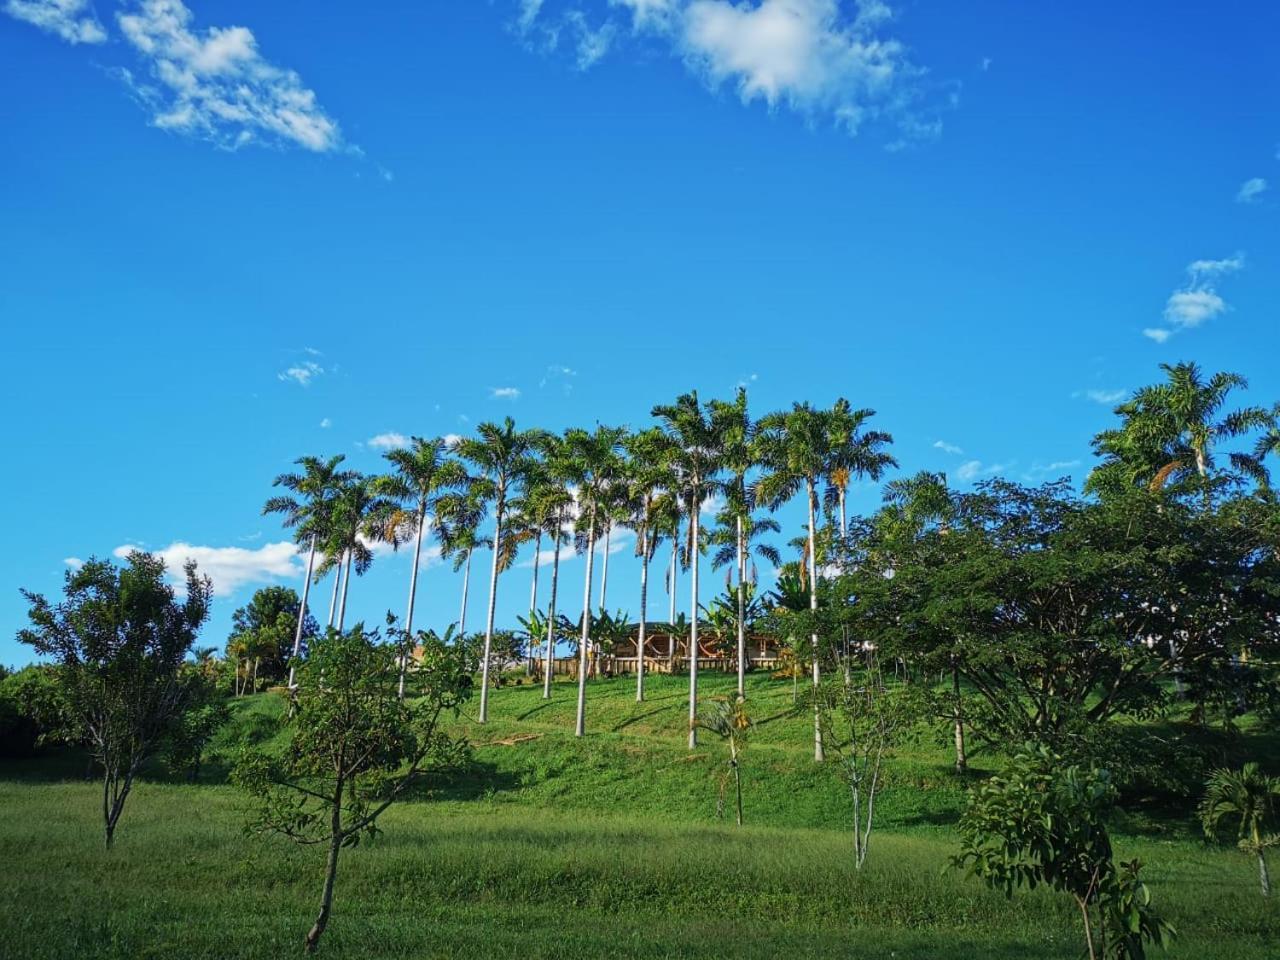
[118,640]
[1252,799]
[33,711]
[729,721]
[1043,822]
[206,712]
[355,746]
[267,628]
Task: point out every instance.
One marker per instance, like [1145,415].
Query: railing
[568,666]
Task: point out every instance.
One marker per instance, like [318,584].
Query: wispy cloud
[947,447]
[72,20]
[75,563]
[301,373]
[213,83]
[1251,190]
[975,469]
[1058,468]
[1198,300]
[504,393]
[326,423]
[1105,397]
[389,441]
[592,42]
[559,373]
[230,568]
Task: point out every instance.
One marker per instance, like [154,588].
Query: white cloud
[973,469]
[228,567]
[214,84]
[1202,270]
[947,447]
[1057,468]
[986,64]
[75,563]
[1190,308]
[648,14]
[504,393]
[302,373]
[451,440]
[326,423]
[1198,300]
[389,441]
[72,20]
[1158,334]
[1251,190]
[1106,396]
[593,42]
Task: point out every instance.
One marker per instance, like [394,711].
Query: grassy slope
[555,847]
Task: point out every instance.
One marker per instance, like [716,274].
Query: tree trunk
[302,608]
[333,597]
[604,566]
[693,625]
[742,627]
[533,597]
[346,585]
[962,760]
[493,599]
[1263,875]
[551,614]
[256,661]
[407,645]
[644,601]
[737,777]
[818,754]
[580,724]
[330,870]
[466,580]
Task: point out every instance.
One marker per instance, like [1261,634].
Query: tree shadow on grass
[642,716]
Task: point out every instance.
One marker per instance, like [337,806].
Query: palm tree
[1252,798]
[853,452]
[458,519]
[646,472]
[423,472]
[795,449]
[696,458]
[735,539]
[592,460]
[550,500]
[309,512]
[1268,444]
[360,515]
[729,721]
[502,455]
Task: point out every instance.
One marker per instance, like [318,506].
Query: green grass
[558,847]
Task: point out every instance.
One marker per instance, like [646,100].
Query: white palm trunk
[580,725]
[693,633]
[671,591]
[346,585]
[551,615]
[742,629]
[488,626]
[604,565]
[644,601]
[818,754]
[413,593]
[302,607]
[533,597]
[466,583]
[333,597]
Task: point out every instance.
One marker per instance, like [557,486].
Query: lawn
[554,847]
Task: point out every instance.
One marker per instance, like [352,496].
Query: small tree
[356,746]
[206,712]
[118,641]
[729,721]
[1253,799]
[1043,822]
[861,724]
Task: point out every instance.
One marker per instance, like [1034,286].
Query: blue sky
[985,220]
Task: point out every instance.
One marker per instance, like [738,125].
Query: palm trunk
[346,585]
[671,592]
[302,608]
[737,777]
[693,629]
[551,615]
[533,598]
[1264,877]
[493,600]
[742,628]
[580,724]
[406,647]
[333,597]
[466,582]
[844,527]
[256,661]
[604,566]
[330,870]
[818,753]
[644,601]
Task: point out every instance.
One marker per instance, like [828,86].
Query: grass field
[555,847]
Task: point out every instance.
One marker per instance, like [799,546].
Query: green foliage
[264,629]
[33,711]
[729,721]
[1252,799]
[206,712]
[1044,822]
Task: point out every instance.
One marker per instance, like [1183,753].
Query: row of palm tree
[577,489]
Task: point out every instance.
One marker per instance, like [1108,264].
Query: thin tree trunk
[488,627]
[737,777]
[466,581]
[818,753]
[844,528]
[406,646]
[604,566]
[256,661]
[671,592]
[551,614]
[693,628]
[1088,928]
[742,627]
[1263,875]
[333,597]
[302,608]
[644,601]
[962,760]
[580,724]
[533,597]
[346,585]
[330,870]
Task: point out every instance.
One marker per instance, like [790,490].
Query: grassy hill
[558,847]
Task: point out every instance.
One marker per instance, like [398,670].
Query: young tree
[1251,798]
[729,721]
[118,639]
[1043,822]
[355,746]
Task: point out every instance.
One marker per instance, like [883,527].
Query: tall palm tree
[308,512]
[1252,798]
[502,455]
[1268,444]
[550,501]
[646,472]
[458,519]
[360,516]
[853,452]
[423,472]
[736,539]
[592,460]
[696,458]
[795,447]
